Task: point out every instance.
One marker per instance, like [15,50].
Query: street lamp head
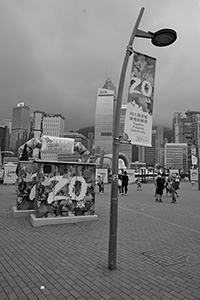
[164,37]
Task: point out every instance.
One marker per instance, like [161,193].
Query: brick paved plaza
[158,253]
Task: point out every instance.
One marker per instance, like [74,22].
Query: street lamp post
[161,38]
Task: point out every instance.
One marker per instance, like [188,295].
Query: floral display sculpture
[26,185]
[65,189]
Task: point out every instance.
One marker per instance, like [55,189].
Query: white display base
[36,222]
[21,213]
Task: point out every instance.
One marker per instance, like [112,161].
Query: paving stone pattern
[158,251]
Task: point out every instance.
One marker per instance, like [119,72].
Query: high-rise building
[176,156]
[8,123]
[20,126]
[108,85]
[47,124]
[159,151]
[90,142]
[150,152]
[104,120]
[188,130]
[4,138]
[53,125]
[104,117]
[177,126]
[141,154]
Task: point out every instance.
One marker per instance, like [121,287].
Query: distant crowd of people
[123,180]
[171,184]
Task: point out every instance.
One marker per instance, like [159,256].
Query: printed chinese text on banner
[139,112]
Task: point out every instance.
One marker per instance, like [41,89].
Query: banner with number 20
[139,112]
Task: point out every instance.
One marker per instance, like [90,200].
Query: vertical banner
[139,112]
[194,159]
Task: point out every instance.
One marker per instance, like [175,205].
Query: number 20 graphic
[146,88]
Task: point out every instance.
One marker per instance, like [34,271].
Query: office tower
[4,138]
[8,123]
[142,153]
[191,126]
[186,127]
[150,152]
[110,86]
[135,153]
[37,123]
[159,151]
[104,120]
[52,125]
[47,124]
[177,126]
[176,156]
[90,142]
[20,126]
[78,137]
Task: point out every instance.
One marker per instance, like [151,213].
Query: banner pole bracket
[130,49]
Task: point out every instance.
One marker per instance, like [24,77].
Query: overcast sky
[55,54]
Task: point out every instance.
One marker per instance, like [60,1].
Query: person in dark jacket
[160,184]
[125,183]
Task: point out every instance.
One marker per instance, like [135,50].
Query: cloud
[54,55]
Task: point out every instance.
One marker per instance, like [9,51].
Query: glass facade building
[20,126]
[53,125]
[104,120]
[176,156]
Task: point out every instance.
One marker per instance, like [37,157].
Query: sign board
[131,175]
[194,174]
[103,173]
[54,144]
[10,175]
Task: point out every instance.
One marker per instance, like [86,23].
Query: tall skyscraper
[47,124]
[159,151]
[188,130]
[4,138]
[176,156]
[105,110]
[150,152]
[177,126]
[53,125]
[20,126]
[8,123]
[104,119]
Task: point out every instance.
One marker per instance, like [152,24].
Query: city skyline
[49,60]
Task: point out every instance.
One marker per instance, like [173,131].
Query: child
[102,186]
[139,185]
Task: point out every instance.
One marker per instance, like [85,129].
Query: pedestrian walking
[100,185]
[120,184]
[167,188]
[125,180]
[160,184]
[173,189]
[139,184]
[177,180]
